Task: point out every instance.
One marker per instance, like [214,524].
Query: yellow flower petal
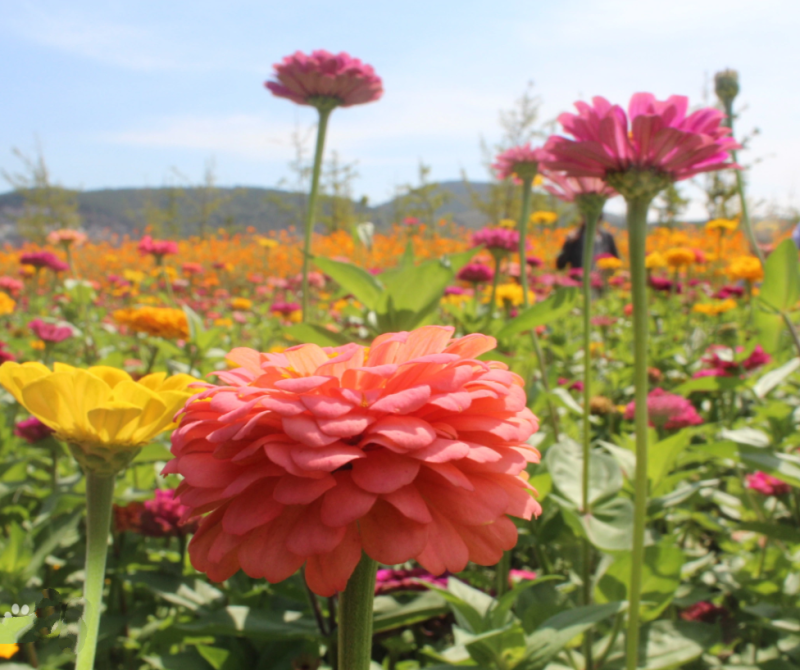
[15,376]
[111,376]
[112,421]
[51,399]
[153,381]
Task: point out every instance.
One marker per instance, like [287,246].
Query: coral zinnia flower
[100,412]
[660,138]
[158,248]
[338,79]
[518,162]
[410,449]
[67,237]
[166,322]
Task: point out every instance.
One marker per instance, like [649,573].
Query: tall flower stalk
[324,81]
[355,616]
[660,145]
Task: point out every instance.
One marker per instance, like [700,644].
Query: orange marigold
[165,322]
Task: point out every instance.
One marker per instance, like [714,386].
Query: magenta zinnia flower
[390,581]
[659,138]
[496,239]
[162,516]
[157,248]
[569,188]
[767,484]
[43,259]
[309,79]
[49,332]
[32,430]
[476,273]
[518,162]
[667,410]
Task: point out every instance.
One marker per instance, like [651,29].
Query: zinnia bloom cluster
[667,411]
[166,322]
[496,239]
[305,79]
[714,308]
[767,484]
[50,332]
[410,449]
[43,259]
[724,366]
[654,135]
[518,162]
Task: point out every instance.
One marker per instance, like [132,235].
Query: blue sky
[120,92]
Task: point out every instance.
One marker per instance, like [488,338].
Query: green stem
[637,234]
[99,496]
[322,127]
[611,640]
[503,570]
[748,229]
[546,383]
[355,617]
[527,189]
[586,546]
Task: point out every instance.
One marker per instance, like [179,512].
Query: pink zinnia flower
[664,284]
[569,188]
[50,332]
[767,484]
[516,576]
[162,516]
[496,239]
[43,259]
[729,291]
[659,138]
[534,261]
[13,286]
[157,248]
[284,308]
[67,237]
[310,79]
[32,430]
[703,611]
[476,273]
[192,268]
[667,410]
[411,449]
[390,581]
[518,162]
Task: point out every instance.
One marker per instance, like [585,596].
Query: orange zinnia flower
[165,322]
[411,449]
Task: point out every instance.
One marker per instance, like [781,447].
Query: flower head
[746,267]
[67,237]
[568,188]
[324,78]
[13,286]
[391,581]
[496,239]
[161,516]
[158,248]
[518,162]
[607,262]
[714,308]
[722,224]
[544,218]
[703,611]
[509,295]
[50,332]
[166,322]
[100,412]
[32,430]
[476,273]
[679,257]
[43,259]
[667,410]
[284,308]
[410,449]
[655,260]
[654,136]
[767,484]
[7,304]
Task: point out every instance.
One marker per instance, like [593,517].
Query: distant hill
[121,211]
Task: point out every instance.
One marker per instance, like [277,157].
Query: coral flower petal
[383,471]
[389,537]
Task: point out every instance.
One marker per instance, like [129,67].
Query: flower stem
[637,234]
[502,572]
[322,127]
[588,253]
[527,186]
[355,617]
[99,495]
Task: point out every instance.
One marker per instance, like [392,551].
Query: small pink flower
[158,248]
[729,291]
[49,332]
[162,516]
[192,269]
[517,576]
[518,162]
[284,308]
[308,79]
[11,285]
[534,261]
[667,411]
[67,237]
[703,611]
[767,484]
[391,581]
[476,273]
[43,259]
[496,239]
[32,430]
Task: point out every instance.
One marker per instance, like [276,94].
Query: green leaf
[708,384]
[661,456]
[215,656]
[353,279]
[187,660]
[770,380]
[608,527]
[16,552]
[778,531]
[307,333]
[469,605]
[554,307]
[557,631]
[242,621]
[670,644]
[781,286]
[748,436]
[196,325]
[414,289]
[390,614]
[499,614]
[60,531]
[661,576]
[565,463]
[14,627]
[188,592]
[769,327]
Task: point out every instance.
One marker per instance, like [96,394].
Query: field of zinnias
[420,447]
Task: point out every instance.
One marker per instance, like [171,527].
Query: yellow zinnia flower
[746,267]
[609,263]
[7,304]
[722,224]
[507,223]
[544,217]
[241,303]
[101,413]
[165,322]
[8,650]
[267,242]
[679,257]
[715,308]
[655,260]
[509,293]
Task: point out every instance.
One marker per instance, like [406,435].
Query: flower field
[416,447]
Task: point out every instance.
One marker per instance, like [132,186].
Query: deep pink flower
[284,308]
[411,449]
[13,286]
[43,259]
[32,430]
[516,576]
[667,410]
[659,138]
[157,248]
[726,367]
[664,284]
[390,581]
[767,484]
[50,332]
[729,291]
[703,611]
[534,261]
[476,273]
[162,516]
[496,239]
[568,188]
[454,290]
[755,360]
[699,257]
[518,162]
[6,355]
[411,221]
[306,79]
[604,321]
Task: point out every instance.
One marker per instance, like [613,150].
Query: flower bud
[726,86]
